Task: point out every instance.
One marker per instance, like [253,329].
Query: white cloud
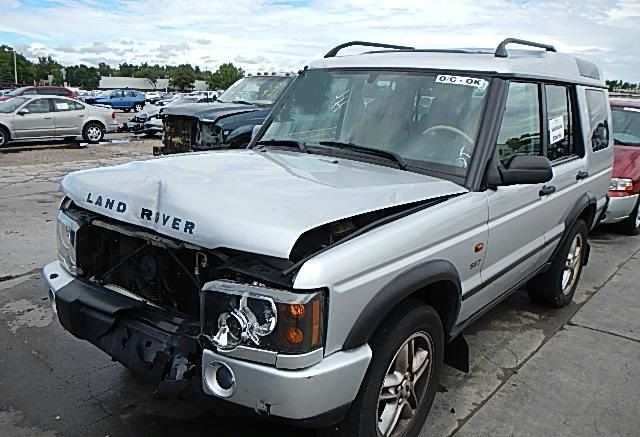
[259,34]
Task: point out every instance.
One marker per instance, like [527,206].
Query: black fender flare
[585,201]
[397,290]
[237,133]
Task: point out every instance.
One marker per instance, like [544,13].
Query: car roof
[535,64]
[622,102]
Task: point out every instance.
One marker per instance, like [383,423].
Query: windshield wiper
[302,146]
[387,154]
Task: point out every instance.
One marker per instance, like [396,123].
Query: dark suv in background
[226,123]
[40,90]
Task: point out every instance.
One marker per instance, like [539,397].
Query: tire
[4,136]
[138,107]
[631,225]
[412,322]
[127,110]
[93,133]
[556,286]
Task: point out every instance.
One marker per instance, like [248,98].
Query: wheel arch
[435,282]
[585,208]
[94,121]
[7,130]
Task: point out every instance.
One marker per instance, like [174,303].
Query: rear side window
[520,129]
[29,92]
[561,139]
[598,119]
[63,105]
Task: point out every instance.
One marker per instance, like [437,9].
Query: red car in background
[624,190]
[40,90]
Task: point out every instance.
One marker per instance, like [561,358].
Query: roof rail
[334,51]
[501,50]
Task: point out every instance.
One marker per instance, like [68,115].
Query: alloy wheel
[405,385]
[2,138]
[572,264]
[94,133]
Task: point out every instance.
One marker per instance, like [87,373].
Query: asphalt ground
[534,371]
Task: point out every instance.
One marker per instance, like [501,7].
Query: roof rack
[501,50]
[334,51]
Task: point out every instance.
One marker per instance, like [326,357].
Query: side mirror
[526,169]
[23,111]
[255,130]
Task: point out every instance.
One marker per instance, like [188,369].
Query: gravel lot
[534,371]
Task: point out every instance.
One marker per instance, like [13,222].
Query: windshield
[17,91]
[11,105]
[430,120]
[626,126]
[260,90]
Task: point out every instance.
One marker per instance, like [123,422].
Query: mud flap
[456,354]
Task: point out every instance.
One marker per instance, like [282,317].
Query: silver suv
[325,274]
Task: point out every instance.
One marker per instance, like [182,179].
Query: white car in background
[152,95]
[37,117]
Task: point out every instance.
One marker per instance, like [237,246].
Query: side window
[561,137]
[63,105]
[130,93]
[29,92]
[39,106]
[598,119]
[117,94]
[76,105]
[520,130]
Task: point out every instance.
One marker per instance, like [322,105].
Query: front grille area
[179,134]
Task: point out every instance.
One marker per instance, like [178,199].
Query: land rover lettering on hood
[325,273]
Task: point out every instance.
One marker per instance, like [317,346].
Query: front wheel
[4,136]
[556,286]
[397,392]
[93,133]
[631,225]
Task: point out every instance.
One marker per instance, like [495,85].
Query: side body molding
[399,289]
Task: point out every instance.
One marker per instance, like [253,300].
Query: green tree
[83,76]
[182,77]
[225,76]
[105,69]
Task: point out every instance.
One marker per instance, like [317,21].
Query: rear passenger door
[563,147]
[69,117]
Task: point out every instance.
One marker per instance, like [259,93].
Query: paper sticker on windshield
[62,106]
[460,80]
[556,129]
[631,109]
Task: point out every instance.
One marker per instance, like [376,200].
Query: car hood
[209,111]
[626,163]
[259,202]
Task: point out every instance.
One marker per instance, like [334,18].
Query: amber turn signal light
[294,335]
[296,311]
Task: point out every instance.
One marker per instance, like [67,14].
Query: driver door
[516,213]
[37,122]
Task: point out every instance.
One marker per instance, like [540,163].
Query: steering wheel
[462,156]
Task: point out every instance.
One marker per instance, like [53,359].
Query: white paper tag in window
[460,80]
[62,106]
[556,129]
[631,109]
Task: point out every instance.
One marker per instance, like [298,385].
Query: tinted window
[117,94]
[561,142]
[598,119]
[76,105]
[626,126]
[39,106]
[130,93]
[29,92]
[520,129]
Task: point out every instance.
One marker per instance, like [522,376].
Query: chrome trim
[251,354]
[300,361]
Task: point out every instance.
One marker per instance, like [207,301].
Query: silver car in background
[37,117]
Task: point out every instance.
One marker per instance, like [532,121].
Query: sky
[285,35]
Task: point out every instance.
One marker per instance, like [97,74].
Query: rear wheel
[93,133]
[631,225]
[558,284]
[397,392]
[138,107]
[4,136]
[127,110]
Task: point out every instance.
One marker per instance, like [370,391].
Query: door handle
[582,175]
[547,190]
[48,118]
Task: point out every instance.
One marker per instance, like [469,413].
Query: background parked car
[624,191]
[37,117]
[120,99]
[149,96]
[39,90]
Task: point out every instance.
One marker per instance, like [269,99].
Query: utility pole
[15,67]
